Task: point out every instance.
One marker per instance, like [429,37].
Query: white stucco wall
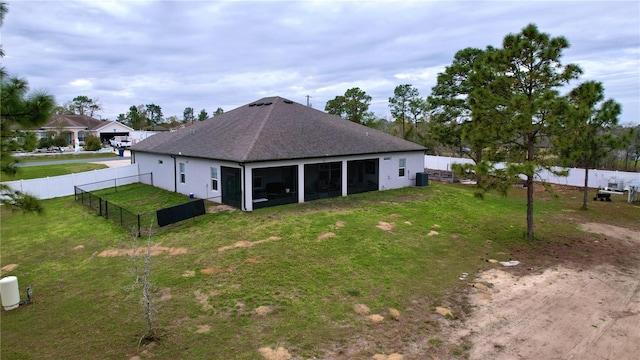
[166,173]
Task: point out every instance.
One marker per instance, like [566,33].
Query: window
[183,177]
[214,178]
[402,166]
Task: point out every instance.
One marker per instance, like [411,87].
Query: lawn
[35,172]
[230,283]
[65,156]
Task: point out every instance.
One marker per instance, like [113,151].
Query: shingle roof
[273,128]
[74,121]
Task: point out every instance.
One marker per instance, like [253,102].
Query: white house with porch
[76,127]
[274,151]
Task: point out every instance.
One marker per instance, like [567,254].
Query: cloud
[209,54]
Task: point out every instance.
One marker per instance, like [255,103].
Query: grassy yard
[35,172]
[66,156]
[231,283]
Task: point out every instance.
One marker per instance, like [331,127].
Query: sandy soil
[563,313]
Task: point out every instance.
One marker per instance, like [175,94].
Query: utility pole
[308,104]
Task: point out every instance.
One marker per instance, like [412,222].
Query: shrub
[59,140]
[44,143]
[30,141]
[92,143]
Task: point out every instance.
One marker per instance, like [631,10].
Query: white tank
[9,292]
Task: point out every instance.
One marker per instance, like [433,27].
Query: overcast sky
[210,54]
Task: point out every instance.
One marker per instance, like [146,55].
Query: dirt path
[563,313]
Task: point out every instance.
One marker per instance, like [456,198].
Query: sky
[211,54]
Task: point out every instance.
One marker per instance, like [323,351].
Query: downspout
[175,175]
[243,207]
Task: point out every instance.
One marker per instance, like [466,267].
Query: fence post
[106,209]
[100,211]
[139,233]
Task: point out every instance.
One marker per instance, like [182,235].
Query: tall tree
[83,105]
[449,108]
[203,115]
[218,111]
[400,104]
[188,115]
[136,117]
[153,115]
[352,106]
[19,108]
[633,148]
[520,100]
[587,125]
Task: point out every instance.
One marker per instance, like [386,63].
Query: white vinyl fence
[598,179]
[57,186]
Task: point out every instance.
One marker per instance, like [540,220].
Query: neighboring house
[274,151]
[77,127]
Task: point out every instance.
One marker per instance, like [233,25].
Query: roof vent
[288,101]
[260,104]
[268,103]
[254,104]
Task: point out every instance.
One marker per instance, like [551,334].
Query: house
[77,127]
[274,151]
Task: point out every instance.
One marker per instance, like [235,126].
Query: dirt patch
[588,306]
[8,268]
[361,309]
[395,314]
[203,299]
[263,310]
[202,329]
[165,294]
[444,311]
[385,226]
[244,244]
[277,354]
[376,318]
[220,208]
[215,270]
[79,247]
[433,233]
[393,356]
[326,236]
[207,271]
[155,250]
[612,231]
[595,312]
[341,224]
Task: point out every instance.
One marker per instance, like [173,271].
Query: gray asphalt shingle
[274,128]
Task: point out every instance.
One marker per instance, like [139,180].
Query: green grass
[35,172]
[140,198]
[85,306]
[65,156]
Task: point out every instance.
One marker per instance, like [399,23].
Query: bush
[30,141]
[45,143]
[92,143]
[59,140]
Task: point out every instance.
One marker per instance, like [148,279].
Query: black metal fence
[137,224]
[126,219]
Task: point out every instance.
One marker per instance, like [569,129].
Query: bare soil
[586,309]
